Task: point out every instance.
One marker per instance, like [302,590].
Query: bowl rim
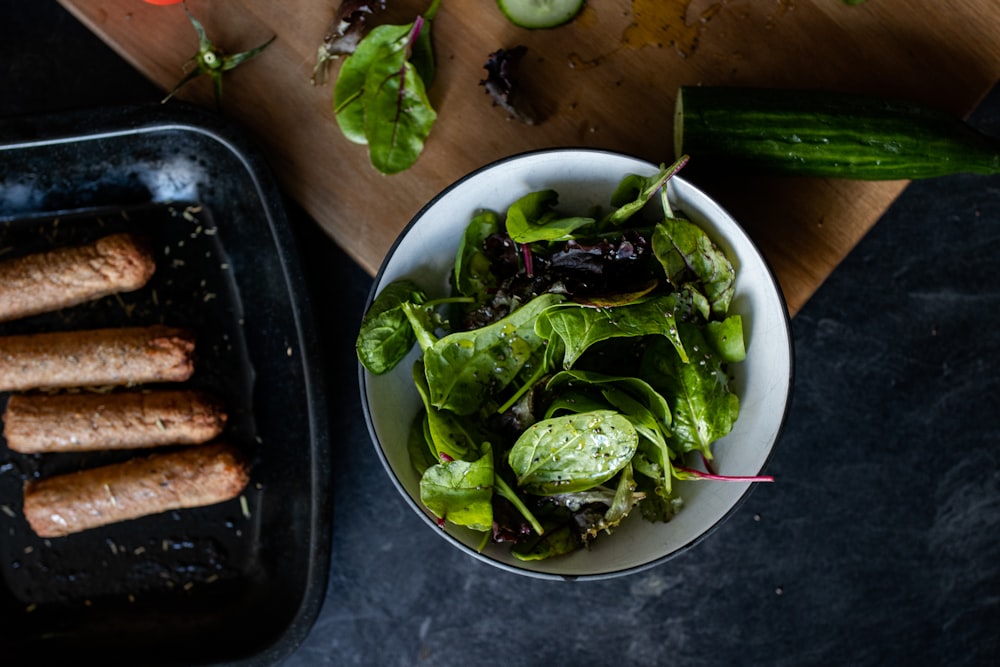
[785,324]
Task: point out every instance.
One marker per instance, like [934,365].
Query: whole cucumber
[818,133]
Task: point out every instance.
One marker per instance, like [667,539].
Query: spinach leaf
[581,327]
[419,443]
[385,335]
[461,491]
[572,453]
[726,337]
[466,368]
[702,405]
[651,399]
[569,401]
[686,253]
[473,269]
[642,405]
[448,434]
[422,323]
[532,218]
[624,500]
[635,191]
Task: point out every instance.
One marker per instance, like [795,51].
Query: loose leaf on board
[532,218]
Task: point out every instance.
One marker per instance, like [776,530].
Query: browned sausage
[45,423]
[190,477]
[68,276]
[96,357]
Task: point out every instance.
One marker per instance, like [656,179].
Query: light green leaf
[703,407]
[687,254]
[573,452]
[461,491]
[465,369]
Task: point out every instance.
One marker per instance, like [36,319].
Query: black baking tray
[237,583]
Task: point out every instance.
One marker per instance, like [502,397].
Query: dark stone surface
[879,544]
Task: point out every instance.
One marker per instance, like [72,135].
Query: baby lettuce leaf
[473,269]
[348,103]
[398,114]
[380,97]
[466,369]
[726,336]
[636,387]
[385,336]
[635,191]
[624,500]
[703,407]
[687,254]
[572,453]
[449,435]
[580,327]
[461,491]
[641,404]
[418,443]
[532,218]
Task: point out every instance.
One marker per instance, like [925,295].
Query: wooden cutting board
[606,80]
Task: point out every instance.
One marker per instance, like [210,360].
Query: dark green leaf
[635,191]
[347,92]
[580,327]
[639,389]
[473,275]
[385,336]
[557,541]
[641,404]
[531,218]
[419,443]
[659,504]
[467,368]
[449,434]
[703,407]
[398,114]
[686,253]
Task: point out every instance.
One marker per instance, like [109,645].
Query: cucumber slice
[534,14]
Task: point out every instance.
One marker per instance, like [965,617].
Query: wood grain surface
[606,80]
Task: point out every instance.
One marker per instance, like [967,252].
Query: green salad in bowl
[562,351]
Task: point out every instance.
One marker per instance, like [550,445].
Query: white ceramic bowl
[585,178]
